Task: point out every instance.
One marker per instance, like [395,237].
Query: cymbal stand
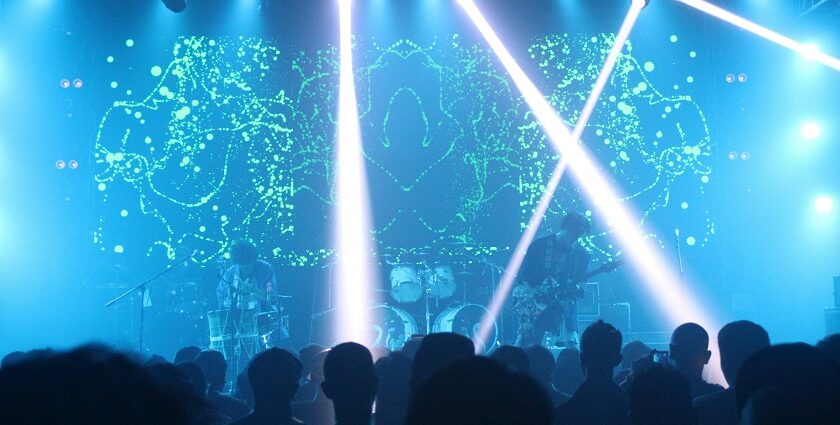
[142,287]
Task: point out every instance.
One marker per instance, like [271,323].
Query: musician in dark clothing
[550,264]
[249,281]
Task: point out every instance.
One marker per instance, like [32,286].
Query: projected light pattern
[232,137]
[219,149]
[656,145]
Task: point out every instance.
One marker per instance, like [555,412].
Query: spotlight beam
[662,283]
[352,218]
[515,262]
[803,49]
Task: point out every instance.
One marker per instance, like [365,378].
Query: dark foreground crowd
[437,380]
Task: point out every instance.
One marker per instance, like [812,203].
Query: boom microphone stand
[142,286]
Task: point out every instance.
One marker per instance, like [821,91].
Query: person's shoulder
[265,264]
[714,398]
[246,420]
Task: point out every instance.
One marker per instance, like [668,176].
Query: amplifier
[589,305]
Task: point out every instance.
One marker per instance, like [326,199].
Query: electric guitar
[530,302]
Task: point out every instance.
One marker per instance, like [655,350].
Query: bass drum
[392,327]
[465,320]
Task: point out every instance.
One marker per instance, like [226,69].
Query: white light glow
[809,51]
[810,130]
[823,204]
[352,219]
[663,284]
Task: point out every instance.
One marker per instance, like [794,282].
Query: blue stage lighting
[810,130]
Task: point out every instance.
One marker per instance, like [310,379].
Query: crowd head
[438,381]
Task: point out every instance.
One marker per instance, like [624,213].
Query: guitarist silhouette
[546,299]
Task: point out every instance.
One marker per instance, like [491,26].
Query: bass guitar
[530,302]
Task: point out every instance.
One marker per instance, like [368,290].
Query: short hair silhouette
[479,391]
[11,358]
[737,342]
[568,373]
[438,350]
[512,357]
[540,363]
[831,346]
[661,396]
[243,252]
[214,366]
[392,396]
[349,373]
[274,375]
[197,380]
[600,346]
[797,369]
[689,341]
[632,351]
[576,223]
[186,354]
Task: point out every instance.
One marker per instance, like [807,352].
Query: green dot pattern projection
[234,137]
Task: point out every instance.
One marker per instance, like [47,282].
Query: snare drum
[465,320]
[406,286]
[392,327]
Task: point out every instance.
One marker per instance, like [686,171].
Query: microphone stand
[142,286]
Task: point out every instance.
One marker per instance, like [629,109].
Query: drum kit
[413,283]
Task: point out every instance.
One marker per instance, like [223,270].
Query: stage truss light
[663,284]
[810,130]
[823,204]
[352,235]
[808,51]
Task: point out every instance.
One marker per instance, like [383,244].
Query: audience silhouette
[274,376]
[186,354]
[737,341]
[541,363]
[831,346]
[350,381]
[90,385]
[438,380]
[661,396]
[215,369]
[631,352]
[319,409]
[690,354]
[599,400]
[392,397]
[789,381]
[436,351]
[513,357]
[478,391]
[568,373]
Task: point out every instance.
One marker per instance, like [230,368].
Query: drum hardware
[144,294]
